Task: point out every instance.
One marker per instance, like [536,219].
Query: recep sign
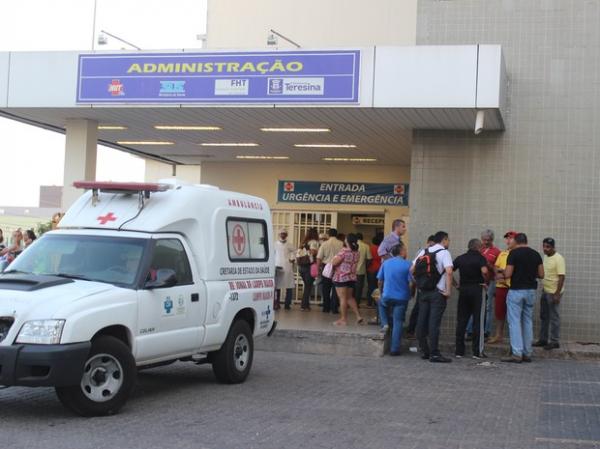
[260,77]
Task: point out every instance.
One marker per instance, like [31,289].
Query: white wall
[311,23]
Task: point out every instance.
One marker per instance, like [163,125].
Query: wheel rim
[102,378]
[241,352]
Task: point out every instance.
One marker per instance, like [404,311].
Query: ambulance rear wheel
[108,377]
[231,364]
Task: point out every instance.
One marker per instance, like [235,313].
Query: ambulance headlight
[41,332]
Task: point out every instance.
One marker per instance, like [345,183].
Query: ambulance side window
[170,253]
[247,240]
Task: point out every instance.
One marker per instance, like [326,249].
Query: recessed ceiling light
[324,145]
[187,128]
[144,142]
[112,127]
[295,130]
[263,157]
[226,144]
[349,159]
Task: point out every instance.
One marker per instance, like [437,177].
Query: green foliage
[43,227]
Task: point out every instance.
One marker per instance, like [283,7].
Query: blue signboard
[352,193]
[259,77]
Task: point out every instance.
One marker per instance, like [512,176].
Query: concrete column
[80,157]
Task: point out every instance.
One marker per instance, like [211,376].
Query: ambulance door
[171,319]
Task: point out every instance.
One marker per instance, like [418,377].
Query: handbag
[328,271]
[314,270]
[303,260]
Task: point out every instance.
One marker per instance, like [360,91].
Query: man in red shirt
[491,253]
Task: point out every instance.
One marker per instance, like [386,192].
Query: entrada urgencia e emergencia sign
[252,77]
[318,192]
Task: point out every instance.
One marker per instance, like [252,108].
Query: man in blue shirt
[394,283]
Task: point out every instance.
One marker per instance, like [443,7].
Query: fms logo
[172,89]
[116,88]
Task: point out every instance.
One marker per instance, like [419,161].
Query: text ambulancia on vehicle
[136,276]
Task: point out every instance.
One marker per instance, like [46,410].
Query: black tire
[226,361]
[115,377]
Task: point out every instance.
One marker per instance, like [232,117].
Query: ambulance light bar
[122,187]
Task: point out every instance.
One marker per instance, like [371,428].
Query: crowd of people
[490,282]
[19,241]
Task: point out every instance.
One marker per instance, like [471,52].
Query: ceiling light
[186,128]
[323,145]
[263,157]
[295,130]
[349,159]
[112,127]
[224,144]
[144,142]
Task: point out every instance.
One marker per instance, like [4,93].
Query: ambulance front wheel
[231,364]
[108,377]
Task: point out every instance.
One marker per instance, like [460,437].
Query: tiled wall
[540,176]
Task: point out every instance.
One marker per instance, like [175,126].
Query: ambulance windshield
[114,260]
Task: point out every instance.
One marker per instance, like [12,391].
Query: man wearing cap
[285,254]
[327,252]
[502,286]
[392,239]
[554,281]
[524,267]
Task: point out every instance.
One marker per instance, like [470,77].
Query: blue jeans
[398,311]
[519,304]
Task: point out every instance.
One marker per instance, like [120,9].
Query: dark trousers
[414,317]
[288,297]
[550,319]
[359,287]
[431,310]
[309,282]
[371,286]
[469,304]
[330,298]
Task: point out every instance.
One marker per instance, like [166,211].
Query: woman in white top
[305,257]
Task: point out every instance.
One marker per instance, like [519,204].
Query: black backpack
[426,273]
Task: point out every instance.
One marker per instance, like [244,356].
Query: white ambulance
[138,275]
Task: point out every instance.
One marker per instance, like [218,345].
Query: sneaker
[512,359]
[384,329]
[527,359]
[483,355]
[540,344]
[439,359]
[459,356]
[552,345]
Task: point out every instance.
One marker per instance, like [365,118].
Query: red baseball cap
[510,234]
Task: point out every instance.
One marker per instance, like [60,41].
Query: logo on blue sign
[168,305]
[172,88]
[275,86]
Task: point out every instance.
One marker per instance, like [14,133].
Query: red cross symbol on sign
[288,186]
[106,218]
[239,240]
[399,189]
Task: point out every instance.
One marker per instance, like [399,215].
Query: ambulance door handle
[195,297]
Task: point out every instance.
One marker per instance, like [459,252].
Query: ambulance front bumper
[43,365]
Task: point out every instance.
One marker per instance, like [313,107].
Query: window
[247,240]
[169,253]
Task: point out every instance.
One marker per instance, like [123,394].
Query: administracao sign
[351,193]
[258,77]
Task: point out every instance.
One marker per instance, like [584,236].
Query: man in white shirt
[432,302]
[364,256]
[327,252]
[285,254]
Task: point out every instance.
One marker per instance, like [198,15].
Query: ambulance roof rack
[127,188]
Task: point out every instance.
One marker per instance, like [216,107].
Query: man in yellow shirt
[554,282]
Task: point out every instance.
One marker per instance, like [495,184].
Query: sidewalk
[313,332]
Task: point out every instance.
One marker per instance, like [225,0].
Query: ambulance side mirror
[165,277]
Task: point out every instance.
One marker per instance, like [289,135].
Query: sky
[30,156]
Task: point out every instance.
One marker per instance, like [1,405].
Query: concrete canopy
[401,89]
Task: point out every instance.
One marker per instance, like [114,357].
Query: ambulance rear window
[247,240]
